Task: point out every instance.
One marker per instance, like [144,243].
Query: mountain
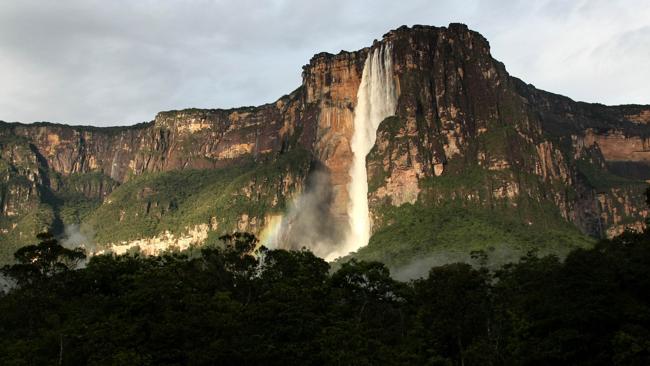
[466,158]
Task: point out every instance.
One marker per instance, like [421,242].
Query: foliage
[601,178]
[233,304]
[79,194]
[44,259]
[176,200]
[449,232]
[36,220]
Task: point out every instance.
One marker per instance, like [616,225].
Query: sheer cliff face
[175,140]
[464,131]
[331,84]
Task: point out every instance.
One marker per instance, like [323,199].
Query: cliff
[465,134]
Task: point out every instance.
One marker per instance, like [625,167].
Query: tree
[452,318]
[44,259]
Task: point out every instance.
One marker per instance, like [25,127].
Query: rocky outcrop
[162,242]
[615,145]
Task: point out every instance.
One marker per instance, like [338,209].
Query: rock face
[187,139]
[464,130]
[331,84]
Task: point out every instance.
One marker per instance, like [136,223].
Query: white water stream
[376,100]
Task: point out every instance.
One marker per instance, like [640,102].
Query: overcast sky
[121,61]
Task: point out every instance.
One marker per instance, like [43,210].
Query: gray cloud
[120,62]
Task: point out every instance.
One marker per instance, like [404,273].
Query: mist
[310,222]
[6,283]
[75,236]
[492,259]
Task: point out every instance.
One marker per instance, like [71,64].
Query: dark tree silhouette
[44,259]
[238,304]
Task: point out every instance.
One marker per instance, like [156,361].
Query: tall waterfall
[376,100]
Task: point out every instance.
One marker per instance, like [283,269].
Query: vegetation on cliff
[175,201]
[451,231]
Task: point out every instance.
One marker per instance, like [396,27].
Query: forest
[241,304]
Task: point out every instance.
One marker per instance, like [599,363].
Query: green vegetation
[459,177]
[45,259]
[227,305]
[20,209]
[80,194]
[390,126]
[108,131]
[634,170]
[8,138]
[457,214]
[175,200]
[601,178]
[34,221]
[451,231]
[495,141]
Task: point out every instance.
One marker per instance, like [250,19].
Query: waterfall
[376,100]
[307,222]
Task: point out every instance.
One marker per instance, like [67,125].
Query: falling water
[376,100]
[307,223]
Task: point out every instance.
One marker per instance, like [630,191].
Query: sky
[120,62]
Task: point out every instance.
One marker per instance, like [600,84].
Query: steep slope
[524,168]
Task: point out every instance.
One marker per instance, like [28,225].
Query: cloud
[120,62]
